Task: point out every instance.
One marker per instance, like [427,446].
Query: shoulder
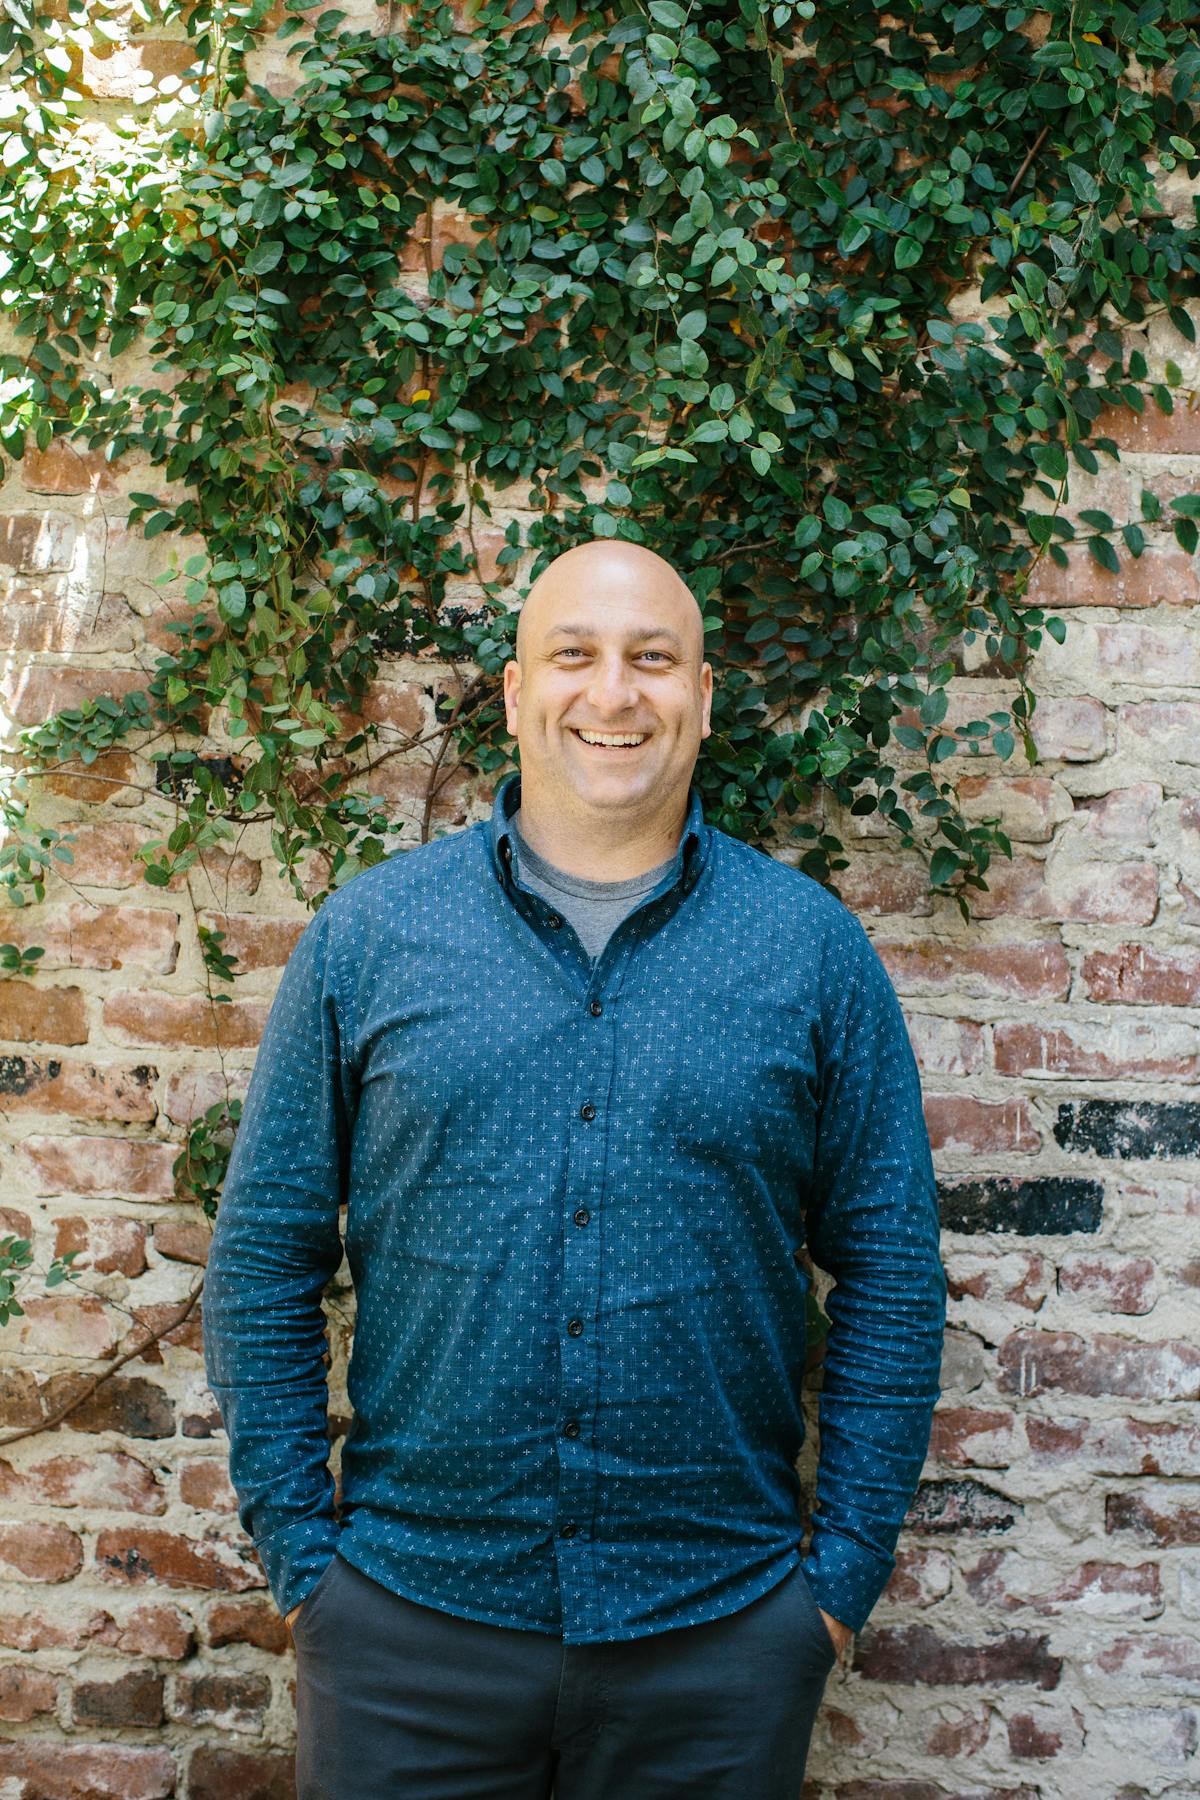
[422,875]
[792,896]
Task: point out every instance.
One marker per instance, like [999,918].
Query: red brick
[31,1552]
[1016,971]
[247,1622]
[205,1485]
[155,1631]
[234,1702]
[108,937]
[47,1015]
[63,1324]
[1105,1590]
[883,884]
[1090,893]
[26,1692]
[974,1437]
[1031,1362]
[158,1317]
[1039,1736]
[58,1771]
[37,542]
[78,1090]
[1029,807]
[139,1553]
[1134,975]
[129,1405]
[958,1123]
[396,705]
[914,1653]
[134,1699]
[946,1046]
[190,1092]
[1163,1516]
[238,1775]
[67,468]
[99,1165]
[113,1244]
[257,940]
[103,780]
[1115,1446]
[179,1020]
[1019,1278]
[183,1240]
[1160,433]
[1170,727]
[34,692]
[106,1478]
[36,623]
[1163,656]
[1124,816]
[961,1735]
[1113,1283]
[1099,1052]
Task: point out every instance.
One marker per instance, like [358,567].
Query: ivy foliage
[826,304]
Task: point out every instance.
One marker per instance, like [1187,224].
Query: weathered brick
[112,772]
[58,1771]
[80,936]
[1019,1278]
[958,1123]
[106,1478]
[1040,1736]
[1069,730]
[1123,816]
[910,1654]
[1129,1128]
[111,1244]
[183,1240]
[133,1699]
[78,1090]
[962,1509]
[206,1485]
[946,1046]
[257,940]
[1167,1736]
[34,692]
[239,1775]
[32,1552]
[974,1437]
[247,1622]
[99,1165]
[1170,727]
[1032,1362]
[878,884]
[67,468]
[234,1702]
[1097,1052]
[960,1733]
[46,1015]
[126,1404]
[1135,975]
[994,971]
[1164,1516]
[36,543]
[190,1092]
[1045,1206]
[137,1553]
[1148,1657]
[1080,891]
[176,1020]
[133,69]
[921,1577]
[1115,1446]
[63,1324]
[1003,1581]
[155,1631]
[24,1693]
[1160,576]
[1109,1281]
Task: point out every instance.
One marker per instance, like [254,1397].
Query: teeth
[597,737]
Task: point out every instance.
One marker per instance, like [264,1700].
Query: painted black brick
[1037,1208]
[1125,1128]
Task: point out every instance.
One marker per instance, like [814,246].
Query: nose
[611,689]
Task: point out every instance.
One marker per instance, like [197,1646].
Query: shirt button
[553,921]
[595,1009]
[583,1215]
[575,1326]
[571,1428]
[587,1110]
[567,1530]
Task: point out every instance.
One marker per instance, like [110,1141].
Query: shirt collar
[690,857]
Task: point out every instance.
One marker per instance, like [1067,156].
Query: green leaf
[263,258]
[1104,554]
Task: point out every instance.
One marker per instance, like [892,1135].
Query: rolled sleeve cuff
[846,1578]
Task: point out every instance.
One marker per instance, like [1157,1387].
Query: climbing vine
[830,305]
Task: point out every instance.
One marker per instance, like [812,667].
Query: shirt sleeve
[873,1225]
[275,1245]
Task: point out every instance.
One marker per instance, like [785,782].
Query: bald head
[611,567]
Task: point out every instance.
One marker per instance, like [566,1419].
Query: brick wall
[1041,1636]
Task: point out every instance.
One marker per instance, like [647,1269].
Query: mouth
[611,743]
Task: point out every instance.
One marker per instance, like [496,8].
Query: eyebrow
[634,637]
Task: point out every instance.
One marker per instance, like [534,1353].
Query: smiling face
[609,645]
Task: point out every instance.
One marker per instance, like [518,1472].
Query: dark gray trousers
[394,1698]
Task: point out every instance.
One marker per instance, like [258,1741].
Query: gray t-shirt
[593,909]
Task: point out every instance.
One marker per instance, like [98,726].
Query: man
[587,1078]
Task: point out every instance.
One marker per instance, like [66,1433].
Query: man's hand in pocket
[292,1614]
[841,1634]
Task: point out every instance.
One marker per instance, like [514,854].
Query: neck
[606,849]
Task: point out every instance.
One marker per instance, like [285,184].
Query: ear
[512,689]
[706,692]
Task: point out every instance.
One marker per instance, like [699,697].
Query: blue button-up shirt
[574,1196]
